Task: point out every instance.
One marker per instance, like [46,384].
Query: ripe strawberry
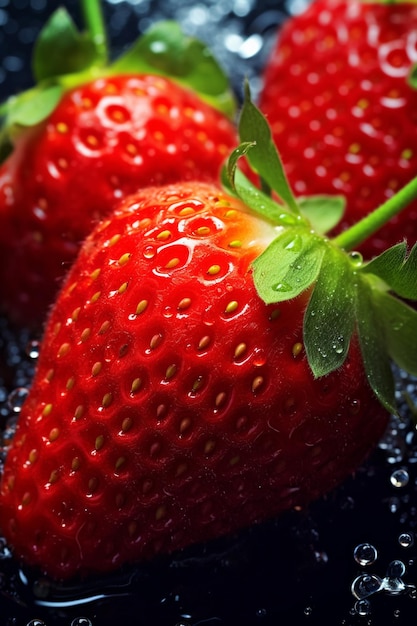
[342,109]
[123,127]
[173,400]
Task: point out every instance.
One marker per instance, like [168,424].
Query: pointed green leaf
[61,48]
[372,341]
[323,212]
[289,265]
[400,328]
[412,77]
[330,316]
[165,50]
[33,106]
[397,270]
[264,157]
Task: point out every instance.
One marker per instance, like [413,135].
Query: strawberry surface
[342,110]
[170,404]
[105,139]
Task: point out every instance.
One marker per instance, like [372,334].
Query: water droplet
[149,252]
[308,611]
[32,349]
[356,258]
[363,607]
[396,569]
[399,478]
[365,554]
[365,585]
[294,245]
[36,622]
[16,399]
[81,621]
[393,586]
[406,540]
[281,287]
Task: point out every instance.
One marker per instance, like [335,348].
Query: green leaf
[33,106]
[412,77]
[371,331]
[400,327]
[289,265]
[323,212]
[397,270]
[330,316]
[61,48]
[264,157]
[165,50]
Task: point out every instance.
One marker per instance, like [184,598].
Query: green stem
[356,234]
[94,21]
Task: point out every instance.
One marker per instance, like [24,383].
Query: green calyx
[347,295]
[65,57]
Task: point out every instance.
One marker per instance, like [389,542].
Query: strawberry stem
[95,24]
[356,234]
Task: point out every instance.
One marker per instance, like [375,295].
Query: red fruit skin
[343,115]
[170,405]
[104,140]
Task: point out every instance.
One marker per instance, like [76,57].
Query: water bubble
[16,399]
[365,554]
[36,622]
[399,478]
[308,611]
[396,569]
[81,621]
[363,607]
[366,585]
[33,348]
[406,540]
[393,586]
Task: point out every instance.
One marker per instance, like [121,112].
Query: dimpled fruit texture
[171,405]
[343,114]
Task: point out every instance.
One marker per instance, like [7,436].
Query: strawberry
[100,135]
[202,370]
[339,95]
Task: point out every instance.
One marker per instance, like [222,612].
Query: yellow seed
[160,513]
[209,446]
[231,307]
[76,464]
[85,334]
[79,412]
[92,141]
[185,425]
[220,399]
[64,349]
[95,297]
[163,235]
[70,383]
[33,456]
[155,341]
[186,211]
[92,485]
[127,424]
[124,258]
[47,410]
[257,383]
[54,475]
[354,148]
[75,314]
[96,369]
[114,240]
[99,442]
[204,342]
[197,384]
[203,231]
[119,463]
[94,275]
[122,288]
[136,385]
[62,127]
[172,263]
[184,304]
[54,434]
[49,375]
[27,498]
[236,243]
[297,349]
[213,270]
[142,306]
[107,400]
[407,153]
[230,214]
[104,327]
[170,371]
[131,149]
[240,350]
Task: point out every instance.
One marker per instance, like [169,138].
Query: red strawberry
[172,403]
[342,109]
[105,138]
